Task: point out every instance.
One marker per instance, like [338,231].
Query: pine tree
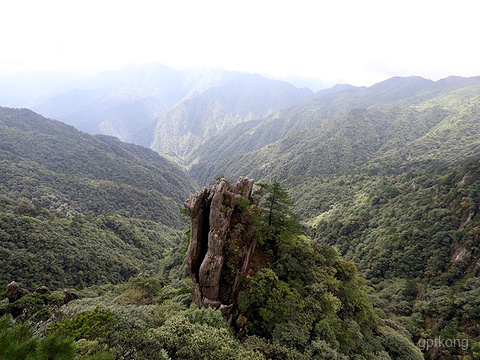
[279,221]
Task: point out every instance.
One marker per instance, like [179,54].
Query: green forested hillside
[298,301]
[416,237]
[169,110]
[393,184]
[387,175]
[77,209]
[438,126]
[394,95]
[421,224]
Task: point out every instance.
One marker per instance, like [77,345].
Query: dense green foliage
[253,135]
[42,247]
[304,302]
[389,176]
[33,306]
[422,227]
[423,224]
[391,127]
[18,343]
[306,298]
[146,318]
[88,325]
[278,221]
[59,168]
[76,209]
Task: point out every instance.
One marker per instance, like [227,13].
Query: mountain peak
[401,81]
[401,87]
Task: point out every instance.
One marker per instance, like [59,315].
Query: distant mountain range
[170,111]
[340,130]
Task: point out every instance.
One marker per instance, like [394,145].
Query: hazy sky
[350,41]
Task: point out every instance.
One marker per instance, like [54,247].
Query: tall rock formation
[221,243]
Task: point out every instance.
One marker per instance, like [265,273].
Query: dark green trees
[306,298]
[278,221]
[17,342]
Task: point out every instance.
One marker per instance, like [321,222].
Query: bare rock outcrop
[15,291]
[221,243]
[43,290]
[69,296]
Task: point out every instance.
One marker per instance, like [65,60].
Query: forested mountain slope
[439,125]
[415,235]
[122,103]
[75,203]
[393,184]
[326,104]
[236,98]
[388,175]
[282,298]
[393,103]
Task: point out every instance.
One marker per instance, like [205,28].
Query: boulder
[69,296]
[43,290]
[15,291]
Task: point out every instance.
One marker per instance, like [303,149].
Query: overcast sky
[335,41]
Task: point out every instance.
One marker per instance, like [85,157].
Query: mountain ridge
[317,113]
[153,105]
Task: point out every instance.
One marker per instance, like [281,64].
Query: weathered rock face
[221,243]
[15,291]
[43,290]
[69,296]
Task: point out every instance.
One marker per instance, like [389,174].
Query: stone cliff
[221,243]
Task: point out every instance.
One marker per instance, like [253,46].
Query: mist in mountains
[171,111]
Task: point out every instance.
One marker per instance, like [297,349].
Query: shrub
[398,346]
[202,331]
[34,305]
[87,325]
[18,343]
